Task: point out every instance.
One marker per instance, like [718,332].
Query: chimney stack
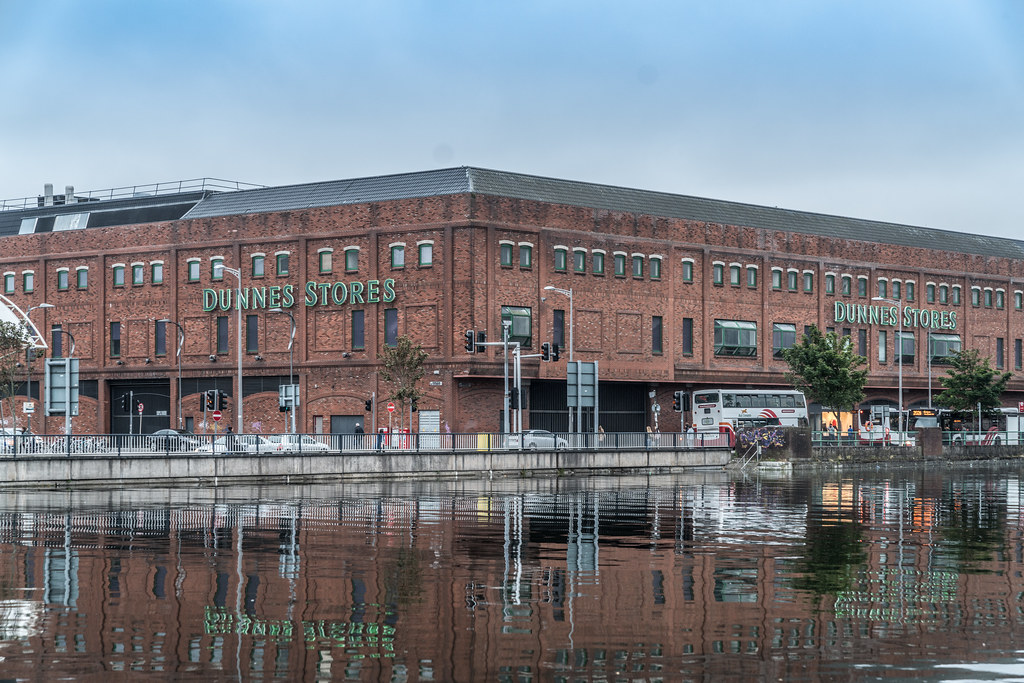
[69,194]
[48,194]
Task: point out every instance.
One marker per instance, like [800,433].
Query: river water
[906,573]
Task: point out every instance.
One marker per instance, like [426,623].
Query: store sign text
[315,294]
[862,314]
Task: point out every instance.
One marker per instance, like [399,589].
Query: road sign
[29,408]
[391,407]
[656,408]
[216,416]
[140,407]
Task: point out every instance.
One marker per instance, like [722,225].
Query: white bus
[732,410]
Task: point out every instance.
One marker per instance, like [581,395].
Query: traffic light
[222,400]
[514,398]
[135,405]
[545,351]
[211,399]
[554,352]
[677,404]
[414,405]
[126,403]
[369,404]
[481,337]
[470,341]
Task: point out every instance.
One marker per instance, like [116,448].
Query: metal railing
[234,444]
[131,191]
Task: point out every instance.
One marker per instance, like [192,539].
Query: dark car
[173,440]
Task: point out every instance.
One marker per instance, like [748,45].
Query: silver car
[536,439]
[297,443]
[238,443]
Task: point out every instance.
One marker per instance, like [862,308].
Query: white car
[238,443]
[297,443]
[536,439]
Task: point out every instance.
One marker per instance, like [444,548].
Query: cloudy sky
[909,111]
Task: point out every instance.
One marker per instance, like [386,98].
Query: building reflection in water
[645,578]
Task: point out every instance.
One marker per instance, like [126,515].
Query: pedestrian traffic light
[470,341]
[369,404]
[545,351]
[554,352]
[481,338]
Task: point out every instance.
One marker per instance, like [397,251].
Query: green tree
[12,346]
[972,380]
[402,368]
[826,369]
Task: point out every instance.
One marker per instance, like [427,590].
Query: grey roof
[516,185]
[101,214]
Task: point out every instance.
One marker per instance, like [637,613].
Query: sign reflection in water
[644,578]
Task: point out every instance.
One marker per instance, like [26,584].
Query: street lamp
[238,309]
[568,293]
[30,355]
[899,349]
[67,384]
[181,342]
[292,394]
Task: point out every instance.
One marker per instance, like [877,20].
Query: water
[886,574]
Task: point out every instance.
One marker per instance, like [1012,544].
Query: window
[216,268]
[975,296]
[808,281]
[988,297]
[390,326]
[897,289]
[687,336]
[752,277]
[909,288]
[138,273]
[579,260]
[734,274]
[558,328]
[160,338]
[118,272]
[943,294]
[882,345]
[638,265]
[521,318]
[561,259]
[783,337]
[929,292]
[1000,351]
[8,283]
[156,272]
[656,334]
[29,280]
[792,276]
[398,256]
[687,270]
[192,270]
[351,259]
[252,334]
[943,348]
[883,288]
[525,255]
[846,284]
[718,273]
[830,283]
[776,278]
[955,296]
[735,338]
[905,344]
[57,341]
[620,264]
[222,334]
[82,277]
[862,285]
[655,267]
[283,261]
[325,260]
[62,279]
[426,254]
[358,330]
[115,340]
[505,255]
[1017,354]
[259,267]
[862,343]
[1000,298]
[597,267]
[1018,300]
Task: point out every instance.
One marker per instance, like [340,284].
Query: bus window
[788,401]
[708,397]
[774,401]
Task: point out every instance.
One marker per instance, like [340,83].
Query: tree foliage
[826,369]
[972,380]
[402,368]
[12,345]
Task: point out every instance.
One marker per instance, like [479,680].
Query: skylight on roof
[70,221]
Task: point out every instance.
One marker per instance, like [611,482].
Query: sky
[910,112]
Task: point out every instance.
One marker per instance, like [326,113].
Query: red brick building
[669,292]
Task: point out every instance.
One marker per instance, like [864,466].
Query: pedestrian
[359,428]
[229,440]
[691,434]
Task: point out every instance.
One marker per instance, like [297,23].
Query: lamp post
[568,293]
[899,349]
[238,309]
[292,393]
[30,354]
[928,350]
[67,384]
[181,342]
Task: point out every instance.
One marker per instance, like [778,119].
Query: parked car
[238,443]
[536,439]
[173,440]
[297,442]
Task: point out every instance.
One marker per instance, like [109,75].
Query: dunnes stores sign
[863,314]
[315,294]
